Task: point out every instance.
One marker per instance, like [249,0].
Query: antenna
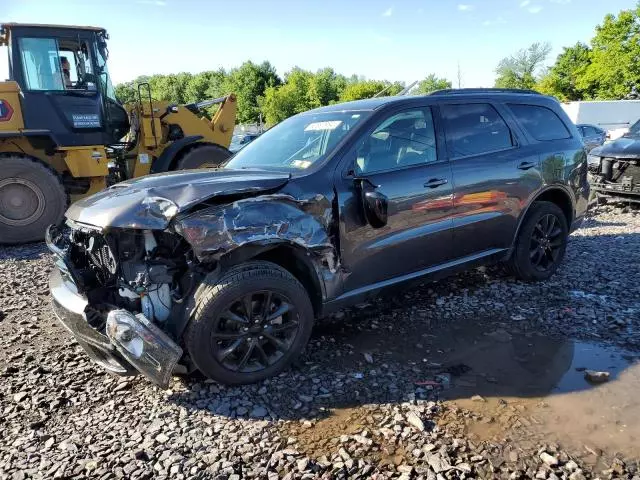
[383,90]
[406,89]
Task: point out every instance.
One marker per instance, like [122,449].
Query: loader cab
[66,89]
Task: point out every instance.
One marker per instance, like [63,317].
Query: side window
[404,139]
[475,128]
[69,67]
[591,132]
[541,122]
[41,62]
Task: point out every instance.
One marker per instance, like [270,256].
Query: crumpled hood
[624,147]
[134,203]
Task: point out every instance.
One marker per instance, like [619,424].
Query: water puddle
[535,389]
[500,382]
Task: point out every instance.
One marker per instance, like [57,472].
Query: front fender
[219,230]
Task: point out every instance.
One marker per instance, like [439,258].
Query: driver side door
[403,159]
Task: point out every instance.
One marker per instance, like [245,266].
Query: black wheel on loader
[31,198]
[205,155]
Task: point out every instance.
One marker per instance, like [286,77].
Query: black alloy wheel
[255,331]
[541,242]
[546,243]
[249,324]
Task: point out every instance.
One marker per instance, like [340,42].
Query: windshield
[635,129]
[60,64]
[298,142]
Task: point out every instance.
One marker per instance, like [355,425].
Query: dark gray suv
[225,270]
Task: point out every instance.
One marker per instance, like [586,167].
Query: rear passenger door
[494,174]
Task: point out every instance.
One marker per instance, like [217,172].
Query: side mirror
[374,203]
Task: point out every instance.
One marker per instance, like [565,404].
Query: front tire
[32,197]
[203,155]
[249,325]
[541,243]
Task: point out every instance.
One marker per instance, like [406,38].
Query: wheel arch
[303,264]
[555,194]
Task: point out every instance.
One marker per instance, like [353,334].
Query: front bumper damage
[127,344]
[625,190]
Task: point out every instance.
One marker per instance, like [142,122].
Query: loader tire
[201,156]
[32,197]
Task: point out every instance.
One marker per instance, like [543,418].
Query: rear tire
[541,243]
[233,347]
[32,197]
[203,155]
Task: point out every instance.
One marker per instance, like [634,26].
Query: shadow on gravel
[592,223]
[28,251]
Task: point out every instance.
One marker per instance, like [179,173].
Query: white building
[614,116]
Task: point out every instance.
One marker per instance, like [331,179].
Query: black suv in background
[615,167]
[225,270]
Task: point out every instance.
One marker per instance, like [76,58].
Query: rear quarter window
[542,123]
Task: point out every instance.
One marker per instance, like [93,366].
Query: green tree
[432,83]
[248,82]
[369,88]
[126,92]
[561,79]
[205,85]
[324,87]
[615,57]
[521,69]
[170,88]
[291,98]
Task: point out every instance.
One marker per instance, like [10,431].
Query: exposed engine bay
[132,259]
[614,167]
[138,270]
[617,177]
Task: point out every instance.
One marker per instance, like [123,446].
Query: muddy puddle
[535,390]
[503,384]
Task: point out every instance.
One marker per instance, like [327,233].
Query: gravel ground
[365,401]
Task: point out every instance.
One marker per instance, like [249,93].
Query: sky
[398,40]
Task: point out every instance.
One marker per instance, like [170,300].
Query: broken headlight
[160,207]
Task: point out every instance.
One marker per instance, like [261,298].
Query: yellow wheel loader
[63,133]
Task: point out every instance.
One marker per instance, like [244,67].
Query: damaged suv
[225,270]
[615,167]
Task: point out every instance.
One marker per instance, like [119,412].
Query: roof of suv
[375,103]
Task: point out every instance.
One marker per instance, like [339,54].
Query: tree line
[605,69]
[262,94]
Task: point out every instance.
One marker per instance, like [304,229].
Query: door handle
[435,182]
[526,165]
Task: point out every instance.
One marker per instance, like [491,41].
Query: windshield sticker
[330,125]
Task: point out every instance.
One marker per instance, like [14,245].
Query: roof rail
[462,91]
